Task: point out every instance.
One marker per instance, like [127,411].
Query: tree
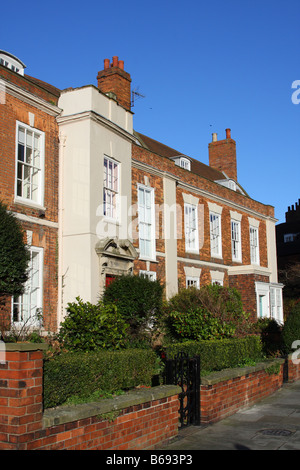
[14,255]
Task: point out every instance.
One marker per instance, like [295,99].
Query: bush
[270,332]
[203,312]
[197,324]
[81,374]
[291,329]
[89,327]
[219,354]
[14,255]
[138,299]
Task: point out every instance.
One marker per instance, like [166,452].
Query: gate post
[21,391]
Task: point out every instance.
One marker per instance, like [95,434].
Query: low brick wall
[224,393]
[139,420]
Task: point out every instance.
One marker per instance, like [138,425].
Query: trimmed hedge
[219,354]
[81,374]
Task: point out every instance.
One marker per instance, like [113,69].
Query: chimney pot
[214,137]
[121,64]
[115,61]
[228,134]
[106,64]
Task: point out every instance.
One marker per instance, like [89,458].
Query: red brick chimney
[222,155]
[113,79]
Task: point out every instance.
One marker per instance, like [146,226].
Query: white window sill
[29,203]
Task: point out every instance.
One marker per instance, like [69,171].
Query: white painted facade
[91,127]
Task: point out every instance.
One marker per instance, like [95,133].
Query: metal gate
[185,372]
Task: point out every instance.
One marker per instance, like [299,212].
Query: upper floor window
[146,222]
[254,246]
[12,62]
[110,187]
[215,235]
[183,162]
[236,240]
[191,227]
[30,164]
[290,237]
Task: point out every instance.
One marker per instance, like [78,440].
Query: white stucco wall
[91,125]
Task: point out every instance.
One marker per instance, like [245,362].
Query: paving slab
[271,424]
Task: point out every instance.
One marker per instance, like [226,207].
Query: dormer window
[183,162]
[232,185]
[11,62]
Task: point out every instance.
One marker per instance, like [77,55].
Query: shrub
[89,327]
[83,373]
[139,301]
[14,255]
[211,308]
[270,332]
[197,324]
[291,329]
[219,354]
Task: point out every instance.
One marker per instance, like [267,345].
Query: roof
[50,88]
[196,166]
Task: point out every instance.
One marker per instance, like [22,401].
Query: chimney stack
[113,79]
[222,155]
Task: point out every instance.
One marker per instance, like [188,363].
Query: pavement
[271,424]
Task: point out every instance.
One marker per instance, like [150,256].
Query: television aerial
[135,95]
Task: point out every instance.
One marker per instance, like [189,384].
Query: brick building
[29,182]
[125,203]
[288,237]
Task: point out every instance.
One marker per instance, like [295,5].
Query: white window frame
[111,185]
[191,228]
[236,241]
[263,299]
[254,248]
[26,183]
[149,274]
[217,277]
[146,226]
[25,302]
[276,310]
[215,235]
[185,163]
[192,281]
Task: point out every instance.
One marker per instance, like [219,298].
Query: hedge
[81,374]
[219,354]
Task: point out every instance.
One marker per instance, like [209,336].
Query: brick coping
[65,414]
[227,374]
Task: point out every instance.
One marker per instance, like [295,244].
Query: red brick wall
[15,109]
[226,397]
[21,397]
[138,427]
[245,283]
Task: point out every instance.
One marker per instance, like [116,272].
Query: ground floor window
[269,301]
[192,281]
[149,274]
[27,308]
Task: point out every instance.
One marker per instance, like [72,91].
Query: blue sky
[202,66]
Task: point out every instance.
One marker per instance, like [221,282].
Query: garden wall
[142,419]
[224,393]
[139,420]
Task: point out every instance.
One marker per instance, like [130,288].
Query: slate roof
[197,167]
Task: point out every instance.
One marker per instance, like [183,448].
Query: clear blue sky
[202,66]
